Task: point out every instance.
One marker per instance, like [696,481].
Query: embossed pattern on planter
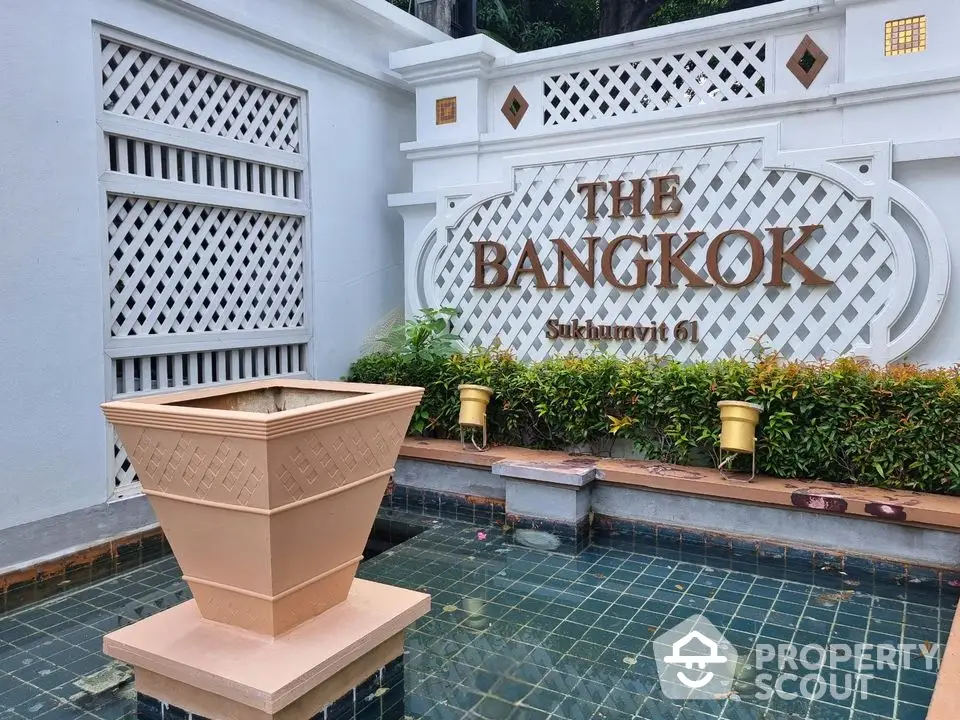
[334,456]
[198,466]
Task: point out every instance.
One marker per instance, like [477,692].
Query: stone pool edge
[564,493]
[900,506]
[946,691]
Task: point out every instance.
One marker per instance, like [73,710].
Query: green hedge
[897,427]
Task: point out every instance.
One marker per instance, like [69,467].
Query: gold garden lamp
[473,413]
[738,424]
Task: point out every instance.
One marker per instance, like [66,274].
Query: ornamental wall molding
[883,250]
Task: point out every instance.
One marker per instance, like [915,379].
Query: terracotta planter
[266,490]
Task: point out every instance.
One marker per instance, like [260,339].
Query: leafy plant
[895,427]
[426,336]
[534,24]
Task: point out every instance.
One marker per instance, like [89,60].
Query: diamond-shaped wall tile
[515,107]
[807,61]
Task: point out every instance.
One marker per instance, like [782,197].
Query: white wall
[933,181]
[358,276]
[53,439]
[892,113]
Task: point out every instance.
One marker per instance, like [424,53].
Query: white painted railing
[669,81]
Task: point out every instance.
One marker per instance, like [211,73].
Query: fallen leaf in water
[449,608]
[651,628]
[381,692]
[833,597]
[678,587]
[630,660]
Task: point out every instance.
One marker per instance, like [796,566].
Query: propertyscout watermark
[696,662]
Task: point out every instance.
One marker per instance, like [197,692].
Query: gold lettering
[529,255]
[591,188]
[756,261]
[670,259]
[481,264]
[788,256]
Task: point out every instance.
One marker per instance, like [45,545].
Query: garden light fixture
[738,423]
[473,412]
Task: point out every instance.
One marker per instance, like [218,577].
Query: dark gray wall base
[482,511]
[858,536]
[24,546]
[473,494]
[809,565]
[361,703]
[452,479]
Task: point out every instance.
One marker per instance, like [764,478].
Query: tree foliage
[525,25]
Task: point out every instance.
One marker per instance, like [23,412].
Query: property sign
[698,251]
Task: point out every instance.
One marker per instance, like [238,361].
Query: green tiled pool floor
[525,634]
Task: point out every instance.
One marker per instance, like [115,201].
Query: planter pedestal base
[212,670]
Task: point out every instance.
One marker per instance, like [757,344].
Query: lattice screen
[151,86]
[724,186]
[177,268]
[202,273]
[735,71]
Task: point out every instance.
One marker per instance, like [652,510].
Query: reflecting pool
[517,632]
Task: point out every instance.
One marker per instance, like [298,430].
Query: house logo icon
[694,661]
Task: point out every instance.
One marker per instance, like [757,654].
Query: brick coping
[901,506]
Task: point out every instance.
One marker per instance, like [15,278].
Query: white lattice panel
[166,162]
[180,268]
[191,262]
[735,71]
[137,375]
[146,85]
[724,186]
